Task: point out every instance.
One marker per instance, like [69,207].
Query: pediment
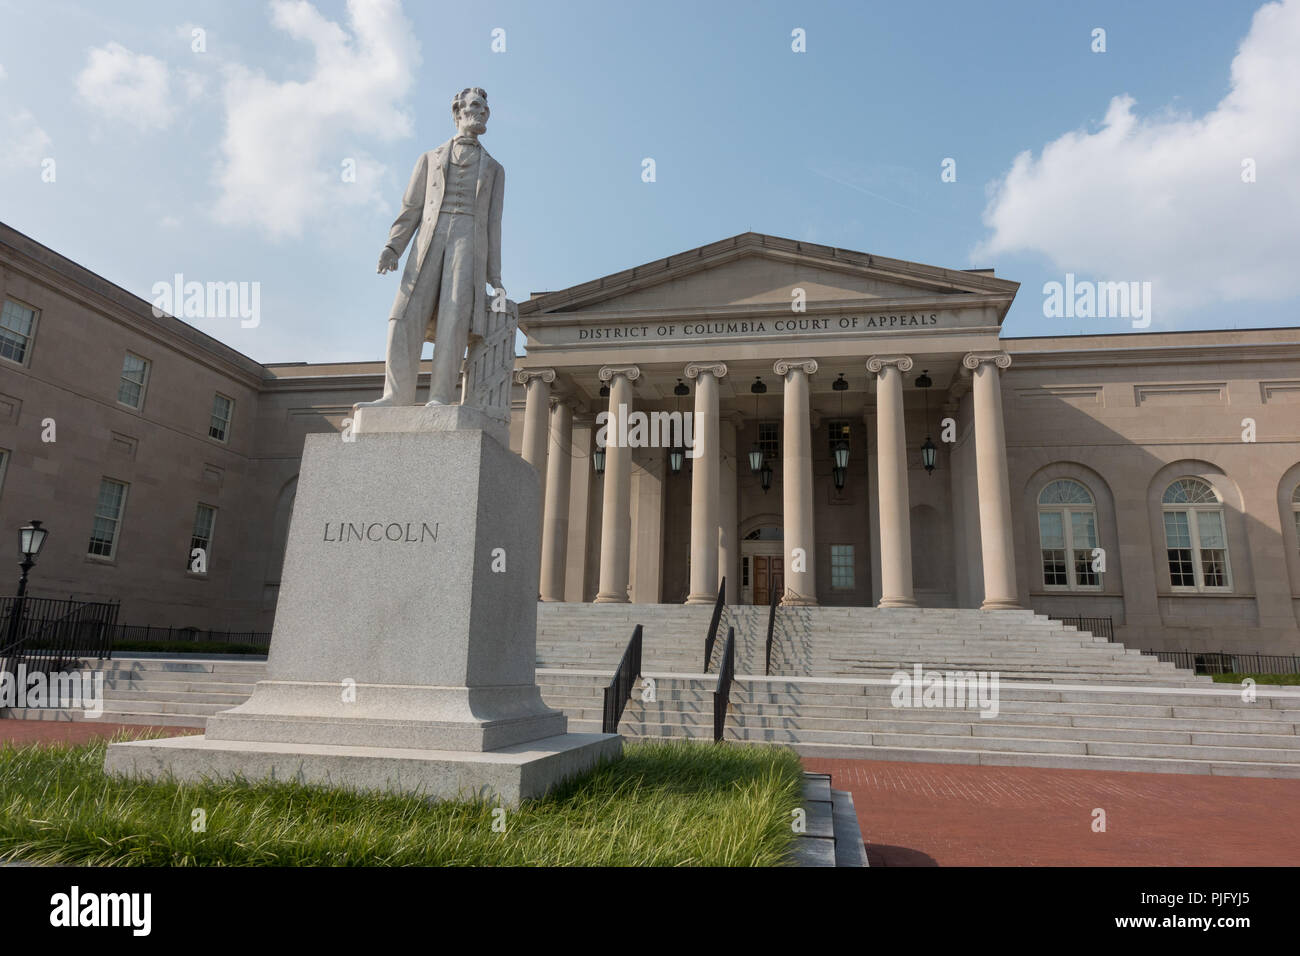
[759,270]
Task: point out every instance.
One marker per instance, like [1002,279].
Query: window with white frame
[130,388]
[1067,535]
[16,324]
[205,517]
[842,566]
[1196,542]
[769,439]
[108,518]
[223,409]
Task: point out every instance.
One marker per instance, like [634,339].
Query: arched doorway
[762,564]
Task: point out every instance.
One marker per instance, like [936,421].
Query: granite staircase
[1065,698]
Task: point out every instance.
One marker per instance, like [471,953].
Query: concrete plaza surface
[930,814]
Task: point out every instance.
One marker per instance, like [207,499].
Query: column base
[701,599]
[897,602]
[798,600]
[612,599]
[996,604]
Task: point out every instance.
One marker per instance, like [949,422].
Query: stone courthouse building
[1152,478]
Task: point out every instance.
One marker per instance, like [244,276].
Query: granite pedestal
[404,648]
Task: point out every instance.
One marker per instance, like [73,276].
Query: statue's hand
[387,261]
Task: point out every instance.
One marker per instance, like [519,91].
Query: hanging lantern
[677,453]
[765,477]
[756,465]
[927,454]
[598,460]
[923,382]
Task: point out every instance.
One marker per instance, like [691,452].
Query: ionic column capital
[877,363]
[524,375]
[783,366]
[974,360]
[718,369]
[629,372]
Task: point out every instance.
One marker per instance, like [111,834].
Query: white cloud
[1161,199]
[25,144]
[128,87]
[285,142]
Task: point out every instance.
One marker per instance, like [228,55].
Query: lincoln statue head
[470,111]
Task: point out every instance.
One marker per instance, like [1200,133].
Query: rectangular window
[16,322]
[108,518]
[222,410]
[842,566]
[1051,536]
[1083,536]
[1178,548]
[836,431]
[201,540]
[769,439]
[130,388]
[1214,549]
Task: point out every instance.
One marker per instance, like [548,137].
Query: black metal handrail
[771,620]
[183,635]
[46,634]
[620,688]
[712,636]
[722,696]
[1230,662]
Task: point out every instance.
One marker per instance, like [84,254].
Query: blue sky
[224,164]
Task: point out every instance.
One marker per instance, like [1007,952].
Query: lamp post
[31,538]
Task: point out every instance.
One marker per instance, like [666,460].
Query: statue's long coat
[420,206]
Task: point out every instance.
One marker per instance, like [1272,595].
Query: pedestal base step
[509,775]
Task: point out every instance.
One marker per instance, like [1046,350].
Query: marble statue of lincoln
[452,207]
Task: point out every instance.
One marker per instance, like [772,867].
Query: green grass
[187,647]
[663,804]
[1258,678]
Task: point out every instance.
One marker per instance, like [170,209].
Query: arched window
[1195,540]
[1067,535]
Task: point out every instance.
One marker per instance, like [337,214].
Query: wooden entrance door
[769,573]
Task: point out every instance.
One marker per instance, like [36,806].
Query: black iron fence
[1099,626]
[722,696]
[620,688]
[137,633]
[711,638]
[50,634]
[1228,662]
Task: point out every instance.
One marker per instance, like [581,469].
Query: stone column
[728,516]
[891,484]
[555,520]
[705,487]
[537,382]
[616,515]
[996,537]
[797,484]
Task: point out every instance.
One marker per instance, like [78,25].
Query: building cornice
[63,277]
